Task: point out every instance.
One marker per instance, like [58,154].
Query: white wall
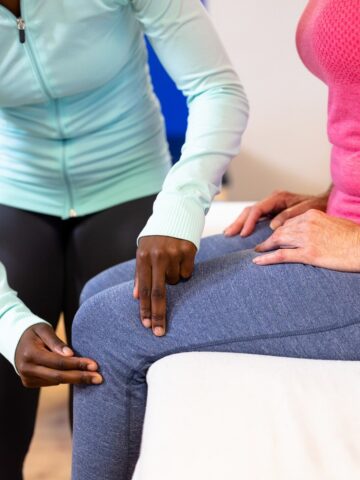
[285,145]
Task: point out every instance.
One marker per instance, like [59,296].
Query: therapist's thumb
[51,340]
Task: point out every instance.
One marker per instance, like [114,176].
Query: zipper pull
[21,27]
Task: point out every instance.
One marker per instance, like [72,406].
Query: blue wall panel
[173,105]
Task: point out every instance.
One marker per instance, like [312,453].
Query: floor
[50,454]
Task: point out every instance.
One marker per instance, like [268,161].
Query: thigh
[99,242]
[211,248]
[232,305]
[32,250]
[217,246]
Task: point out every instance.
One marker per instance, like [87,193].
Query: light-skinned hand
[281,205]
[314,238]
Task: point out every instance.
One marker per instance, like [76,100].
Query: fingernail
[97,380]
[274,225]
[146,322]
[257,260]
[225,232]
[159,331]
[92,367]
[67,351]
[257,248]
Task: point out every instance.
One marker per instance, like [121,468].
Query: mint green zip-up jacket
[81,129]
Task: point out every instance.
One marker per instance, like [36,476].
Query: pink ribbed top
[328,41]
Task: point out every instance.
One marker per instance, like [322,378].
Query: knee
[92,287]
[105,322]
[101,282]
[111,277]
[85,325]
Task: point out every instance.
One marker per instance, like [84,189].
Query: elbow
[234,91]
[225,94]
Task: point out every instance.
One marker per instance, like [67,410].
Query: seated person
[289,287]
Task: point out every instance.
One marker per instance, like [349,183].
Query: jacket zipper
[71,210]
[21,26]
[20,22]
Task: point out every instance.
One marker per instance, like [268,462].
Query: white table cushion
[221,215]
[220,416]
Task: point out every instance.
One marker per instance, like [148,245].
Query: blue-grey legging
[230,305]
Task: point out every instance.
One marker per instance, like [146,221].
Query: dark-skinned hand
[43,360]
[160,260]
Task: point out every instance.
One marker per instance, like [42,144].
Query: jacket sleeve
[188,46]
[15,318]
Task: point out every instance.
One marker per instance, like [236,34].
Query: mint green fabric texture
[81,129]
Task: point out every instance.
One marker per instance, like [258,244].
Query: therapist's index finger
[143,269]
[158,299]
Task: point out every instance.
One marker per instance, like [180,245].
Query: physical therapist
[83,155]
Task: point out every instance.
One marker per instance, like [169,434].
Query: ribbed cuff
[176,216]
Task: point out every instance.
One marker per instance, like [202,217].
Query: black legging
[48,261]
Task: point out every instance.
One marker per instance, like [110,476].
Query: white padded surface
[221,215]
[218,416]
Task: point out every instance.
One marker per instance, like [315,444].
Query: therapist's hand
[43,360]
[160,260]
